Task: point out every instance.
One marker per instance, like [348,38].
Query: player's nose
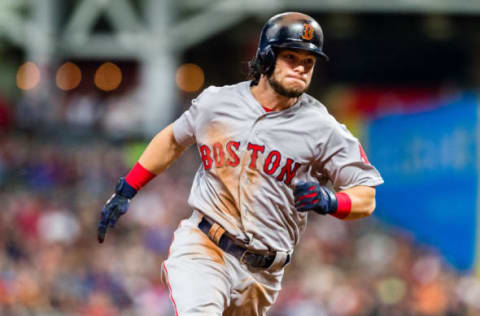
[299,68]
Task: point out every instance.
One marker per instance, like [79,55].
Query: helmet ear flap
[266,59]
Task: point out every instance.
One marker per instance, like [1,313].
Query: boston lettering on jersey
[221,156]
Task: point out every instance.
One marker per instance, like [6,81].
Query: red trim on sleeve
[344,205]
[363,154]
[139,176]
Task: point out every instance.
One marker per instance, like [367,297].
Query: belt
[217,234]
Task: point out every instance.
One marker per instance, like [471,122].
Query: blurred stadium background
[85,84]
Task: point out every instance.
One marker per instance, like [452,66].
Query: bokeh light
[108,77]
[391,290]
[28,76]
[69,76]
[190,77]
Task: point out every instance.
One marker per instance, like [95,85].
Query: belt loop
[242,257]
[281,260]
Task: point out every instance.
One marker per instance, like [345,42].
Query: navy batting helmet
[288,30]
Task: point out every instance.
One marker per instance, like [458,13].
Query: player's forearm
[362,201]
[161,152]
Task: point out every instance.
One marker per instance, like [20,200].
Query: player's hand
[311,196]
[115,207]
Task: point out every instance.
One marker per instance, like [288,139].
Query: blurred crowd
[52,189]
[50,261]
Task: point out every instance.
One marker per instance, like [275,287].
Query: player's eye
[309,62]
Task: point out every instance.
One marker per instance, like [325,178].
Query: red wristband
[344,205]
[139,176]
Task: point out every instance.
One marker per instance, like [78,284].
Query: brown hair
[253,71]
[255,68]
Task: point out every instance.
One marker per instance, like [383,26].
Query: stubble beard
[282,90]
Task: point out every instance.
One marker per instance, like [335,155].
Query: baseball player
[271,154]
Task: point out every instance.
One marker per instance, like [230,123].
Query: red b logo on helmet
[307,32]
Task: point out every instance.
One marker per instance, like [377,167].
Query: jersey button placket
[257,132]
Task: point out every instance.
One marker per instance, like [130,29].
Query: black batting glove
[311,196]
[115,207]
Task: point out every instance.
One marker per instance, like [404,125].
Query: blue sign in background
[429,163]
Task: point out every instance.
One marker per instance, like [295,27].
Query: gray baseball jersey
[251,160]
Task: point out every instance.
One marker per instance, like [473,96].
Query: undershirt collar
[267,109]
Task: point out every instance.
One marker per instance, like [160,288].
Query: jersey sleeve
[344,161]
[185,127]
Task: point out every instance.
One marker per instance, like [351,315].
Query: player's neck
[268,98]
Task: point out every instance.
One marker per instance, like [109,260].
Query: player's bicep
[186,127]
[349,173]
[162,150]
[345,163]
[184,130]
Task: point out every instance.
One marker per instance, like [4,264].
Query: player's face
[293,72]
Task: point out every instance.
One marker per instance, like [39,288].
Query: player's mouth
[297,78]
[296,82]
